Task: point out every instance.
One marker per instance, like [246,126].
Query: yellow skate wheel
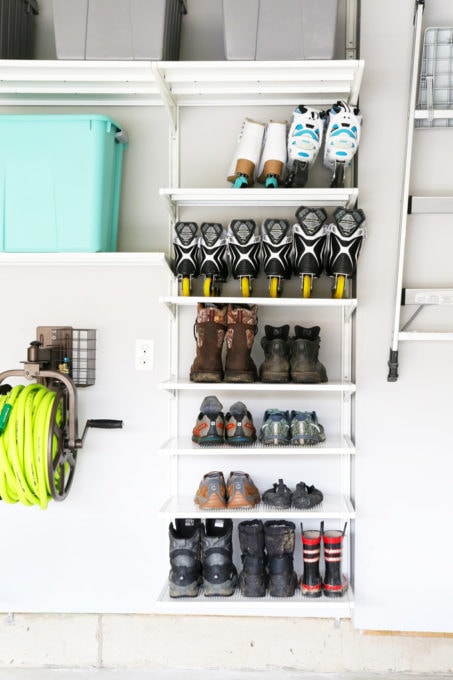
[306,286]
[273,286]
[207,287]
[245,286]
[185,286]
[338,291]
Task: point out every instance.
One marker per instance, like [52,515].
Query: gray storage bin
[287,29]
[118,29]
[17,28]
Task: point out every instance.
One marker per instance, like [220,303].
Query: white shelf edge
[260,301]
[296,606]
[332,507]
[186,384]
[188,83]
[261,197]
[83,259]
[183,446]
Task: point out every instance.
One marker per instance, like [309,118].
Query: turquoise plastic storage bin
[60,182]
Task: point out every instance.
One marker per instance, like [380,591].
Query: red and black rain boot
[334,584]
[311,582]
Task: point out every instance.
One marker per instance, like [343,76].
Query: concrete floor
[170,674]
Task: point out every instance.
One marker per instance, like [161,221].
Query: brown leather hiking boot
[241,329]
[210,327]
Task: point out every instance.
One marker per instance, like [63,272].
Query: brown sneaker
[242,492]
[212,491]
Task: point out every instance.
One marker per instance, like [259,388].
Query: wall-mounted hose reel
[38,422]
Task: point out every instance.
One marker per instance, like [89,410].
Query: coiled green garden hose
[26,421]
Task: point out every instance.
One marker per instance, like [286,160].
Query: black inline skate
[185,246]
[309,238]
[345,236]
[213,247]
[244,248]
[277,245]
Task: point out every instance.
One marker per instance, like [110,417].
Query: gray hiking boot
[305,365]
[275,367]
[219,572]
[184,578]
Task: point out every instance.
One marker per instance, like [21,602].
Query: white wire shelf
[332,507]
[298,605]
[334,445]
[179,83]
[257,197]
[192,301]
[186,384]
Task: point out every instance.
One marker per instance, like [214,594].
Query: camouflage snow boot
[241,330]
[304,362]
[209,330]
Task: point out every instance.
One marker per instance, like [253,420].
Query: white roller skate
[247,154]
[273,157]
[342,140]
[304,141]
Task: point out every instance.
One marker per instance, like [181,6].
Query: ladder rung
[430,336]
[427,296]
[430,204]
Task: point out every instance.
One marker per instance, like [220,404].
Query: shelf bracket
[171,206]
[165,93]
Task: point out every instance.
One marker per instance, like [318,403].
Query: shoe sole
[206,376]
[282,586]
[238,500]
[190,590]
[308,377]
[213,501]
[225,589]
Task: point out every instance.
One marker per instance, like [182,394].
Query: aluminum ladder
[418,298]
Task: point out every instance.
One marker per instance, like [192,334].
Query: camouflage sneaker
[275,427]
[306,496]
[212,491]
[239,427]
[242,492]
[279,496]
[210,425]
[305,429]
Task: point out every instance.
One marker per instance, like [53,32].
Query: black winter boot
[185,579]
[275,368]
[311,582]
[253,577]
[219,572]
[305,365]
[334,584]
[279,538]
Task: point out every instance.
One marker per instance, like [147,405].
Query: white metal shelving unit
[196,84]
[338,445]
[265,83]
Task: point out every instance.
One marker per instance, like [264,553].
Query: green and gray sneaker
[305,429]
[275,428]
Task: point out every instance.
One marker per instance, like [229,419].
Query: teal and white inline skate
[342,140]
[304,141]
